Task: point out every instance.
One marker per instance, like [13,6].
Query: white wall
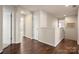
[43,19]
[36,23]
[28,25]
[22,31]
[6,26]
[46,32]
[45,28]
[78,28]
[50,34]
[13,24]
[39,21]
[1,23]
[47,35]
[61,27]
[71,32]
[59,33]
[17,28]
[7,11]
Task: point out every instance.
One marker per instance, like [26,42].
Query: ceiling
[56,10]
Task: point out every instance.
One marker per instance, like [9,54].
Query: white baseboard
[55,45]
[46,43]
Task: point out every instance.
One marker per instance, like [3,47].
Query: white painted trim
[57,43]
[46,43]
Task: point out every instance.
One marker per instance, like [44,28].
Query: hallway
[46,29]
[29,46]
[39,29]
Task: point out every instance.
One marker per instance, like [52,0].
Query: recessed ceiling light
[66,5]
[22,12]
[64,15]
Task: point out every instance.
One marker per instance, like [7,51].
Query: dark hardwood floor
[29,46]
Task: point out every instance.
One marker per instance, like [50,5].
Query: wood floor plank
[31,46]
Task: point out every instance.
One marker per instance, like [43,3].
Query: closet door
[6,27]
